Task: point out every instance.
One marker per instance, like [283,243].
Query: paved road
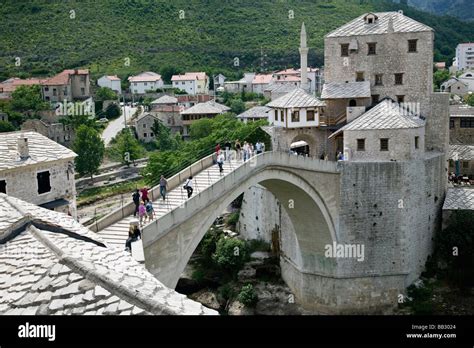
[116,125]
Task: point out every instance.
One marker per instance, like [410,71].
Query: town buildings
[7,87]
[191,82]
[38,170]
[454,86]
[110,81]
[144,82]
[69,85]
[464,59]
[208,109]
[256,113]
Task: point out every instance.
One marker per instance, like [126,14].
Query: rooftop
[53,265]
[41,149]
[63,77]
[255,112]
[189,76]
[297,98]
[461,152]
[210,107]
[147,76]
[459,199]
[401,24]
[461,111]
[387,114]
[347,90]
[113,77]
[262,79]
[166,99]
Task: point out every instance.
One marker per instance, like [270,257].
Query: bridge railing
[173,182]
[157,228]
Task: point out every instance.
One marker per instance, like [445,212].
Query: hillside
[462,9]
[212,33]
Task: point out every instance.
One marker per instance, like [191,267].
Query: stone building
[461,160]
[387,132]
[457,199]
[169,116]
[68,85]
[208,109]
[455,86]
[56,131]
[461,124]
[256,113]
[38,170]
[52,265]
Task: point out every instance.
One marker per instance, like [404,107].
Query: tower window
[417,142]
[399,79]
[344,50]
[384,144]
[400,98]
[360,144]
[372,48]
[352,103]
[412,45]
[310,115]
[3,186]
[378,79]
[44,184]
[360,76]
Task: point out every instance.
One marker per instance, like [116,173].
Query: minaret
[304,59]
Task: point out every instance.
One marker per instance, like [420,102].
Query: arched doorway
[304,144]
[352,103]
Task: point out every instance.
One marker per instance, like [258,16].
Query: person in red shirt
[144,192]
[218,149]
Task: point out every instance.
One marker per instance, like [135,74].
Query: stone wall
[22,183]
[458,135]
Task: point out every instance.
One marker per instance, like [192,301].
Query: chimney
[23,149]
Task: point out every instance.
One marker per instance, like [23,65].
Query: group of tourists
[243,151]
[143,206]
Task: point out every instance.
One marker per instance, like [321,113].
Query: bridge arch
[170,242]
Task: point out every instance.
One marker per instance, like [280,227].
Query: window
[359,76]
[371,48]
[83,91]
[344,50]
[412,45]
[310,115]
[400,98]
[65,91]
[352,103]
[378,79]
[360,144]
[152,135]
[451,124]
[83,78]
[399,79]
[375,99]
[467,123]
[54,92]
[46,89]
[295,116]
[3,186]
[417,142]
[44,184]
[145,135]
[384,144]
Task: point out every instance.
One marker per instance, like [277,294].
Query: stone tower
[304,59]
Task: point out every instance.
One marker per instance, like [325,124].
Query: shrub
[231,254]
[258,245]
[233,218]
[226,291]
[208,245]
[247,296]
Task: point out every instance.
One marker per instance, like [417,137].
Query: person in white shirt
[188,186]
[220,163]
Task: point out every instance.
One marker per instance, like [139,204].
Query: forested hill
[463,9]
[50,35]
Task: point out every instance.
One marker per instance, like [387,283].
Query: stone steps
[116,234]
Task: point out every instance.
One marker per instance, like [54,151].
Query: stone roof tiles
[387,114]
[297,98]
[209,107]
[461,152]
[400,22]
[54,265]
[255,112]
[165,99]
[459,198]
[461,111]
[346,90]
[41,149]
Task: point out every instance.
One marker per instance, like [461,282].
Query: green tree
[126,148]
[28,99]
[164,140]
[161,163]
[439,77]
[105,93]
[6,126]
[201,128]
[167,72]
[90,150]
[237,106]
[113,111]
[469,99]
[231,254]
